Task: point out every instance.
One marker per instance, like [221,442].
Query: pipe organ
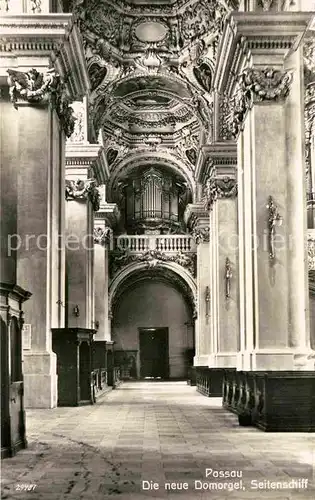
[153,202]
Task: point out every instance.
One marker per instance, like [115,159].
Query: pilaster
[105,220]
[220,198]
[82,200]
[259,67]
[43,58]
[197,219]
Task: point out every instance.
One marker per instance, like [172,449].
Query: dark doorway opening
[154,358]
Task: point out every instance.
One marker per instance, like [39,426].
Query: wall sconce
[227,277]
[274,219]
[96,324]
[207,300]
[76,311]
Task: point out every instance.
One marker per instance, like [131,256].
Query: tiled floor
[159,432]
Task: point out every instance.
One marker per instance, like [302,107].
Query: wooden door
[154,358]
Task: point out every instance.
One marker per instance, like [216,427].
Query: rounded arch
[171,272]
[143,158]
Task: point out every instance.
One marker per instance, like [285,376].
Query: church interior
[157,287]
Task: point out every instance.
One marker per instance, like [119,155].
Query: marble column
[268,123]
[221,199]
[197,218]
[43,118]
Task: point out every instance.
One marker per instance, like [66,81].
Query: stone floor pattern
[161,432]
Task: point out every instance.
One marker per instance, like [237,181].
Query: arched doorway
[153,323]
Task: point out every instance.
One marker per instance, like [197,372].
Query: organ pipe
[152,202]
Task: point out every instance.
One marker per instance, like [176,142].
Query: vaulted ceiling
[150,65]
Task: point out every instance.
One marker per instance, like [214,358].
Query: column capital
[35,88]
[81,158]
[256,40]
[220,155]
[83,190]
[218,187]
[197,219]
[42,40]
[218,172]
[254,86]
[101,234]
[109,213]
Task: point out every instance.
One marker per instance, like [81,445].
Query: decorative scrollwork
[79,131]
[225,110]
[111,155]
[31,86]
[101,235]
[218,187]
[203,75]
[240,105]
[267,84]
[191,154]
[153,258]
[201,234]
[257,85]
[97,73]
[36,88]
[36,6]
[85,190]
[65,112]
[266,4]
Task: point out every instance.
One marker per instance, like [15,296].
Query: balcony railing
[166,243]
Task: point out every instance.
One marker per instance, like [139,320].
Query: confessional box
[73,347]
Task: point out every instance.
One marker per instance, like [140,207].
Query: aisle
[162,433]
